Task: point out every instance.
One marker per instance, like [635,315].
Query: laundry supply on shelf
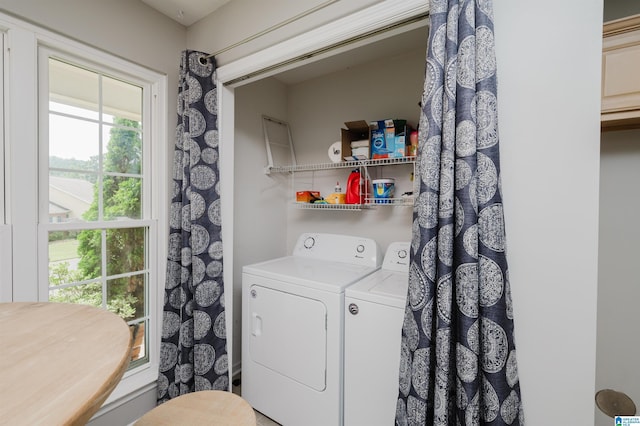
[337,197]
[412,148]
[383,190]
[307,196]
[355,188]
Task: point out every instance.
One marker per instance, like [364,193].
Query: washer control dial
[402,254]
[360,248]
[309,242]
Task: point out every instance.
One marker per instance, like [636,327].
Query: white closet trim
[284,55]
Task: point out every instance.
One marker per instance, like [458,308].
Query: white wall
[618,278]
[260,200]
[5,263]
[549,106]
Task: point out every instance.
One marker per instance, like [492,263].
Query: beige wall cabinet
[621,74]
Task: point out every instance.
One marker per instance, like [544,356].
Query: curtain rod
[273,28]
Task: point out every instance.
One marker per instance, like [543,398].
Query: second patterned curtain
[458,359]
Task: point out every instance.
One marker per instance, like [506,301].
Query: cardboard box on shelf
[356,131]
[389,138]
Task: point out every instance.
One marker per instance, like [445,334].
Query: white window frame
[24,103]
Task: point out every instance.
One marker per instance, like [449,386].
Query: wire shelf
[323,206]
[390,202]
[369,203]
[340,165]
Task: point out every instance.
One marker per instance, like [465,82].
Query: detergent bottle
[354,188]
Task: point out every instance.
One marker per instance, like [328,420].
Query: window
[97,206]
[85,192]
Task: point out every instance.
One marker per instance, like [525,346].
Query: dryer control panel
[339,248]
[397,257]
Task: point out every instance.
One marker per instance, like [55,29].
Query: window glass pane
[85,294]
[72,86]
[123,151]
[122,198]
[73,143]
[121,99]
[74,256]
[125,296]
[71,197]
[126,248]
[139,336]
[63,109]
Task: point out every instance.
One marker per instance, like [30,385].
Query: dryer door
[289,335]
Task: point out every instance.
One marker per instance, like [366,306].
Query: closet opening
[372,71]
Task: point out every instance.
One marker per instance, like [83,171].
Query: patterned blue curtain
[193,352]
[458,362]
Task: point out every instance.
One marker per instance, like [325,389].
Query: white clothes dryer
[373,331]
[293,326]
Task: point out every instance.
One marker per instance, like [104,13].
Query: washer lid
[319,274]
[385,287]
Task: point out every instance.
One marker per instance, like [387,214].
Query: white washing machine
[293,325]
[373,329]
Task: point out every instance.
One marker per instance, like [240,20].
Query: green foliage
[125,200]
[124,148]
[90,251]
[121,304]
[84,295]
[60,273]
[62,235]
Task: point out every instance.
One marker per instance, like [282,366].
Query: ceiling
[186,12]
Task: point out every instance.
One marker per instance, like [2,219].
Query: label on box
[378,144]
[399,147]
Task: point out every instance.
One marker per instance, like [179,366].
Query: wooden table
[58,362]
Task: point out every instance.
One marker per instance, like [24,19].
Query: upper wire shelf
[342,164]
